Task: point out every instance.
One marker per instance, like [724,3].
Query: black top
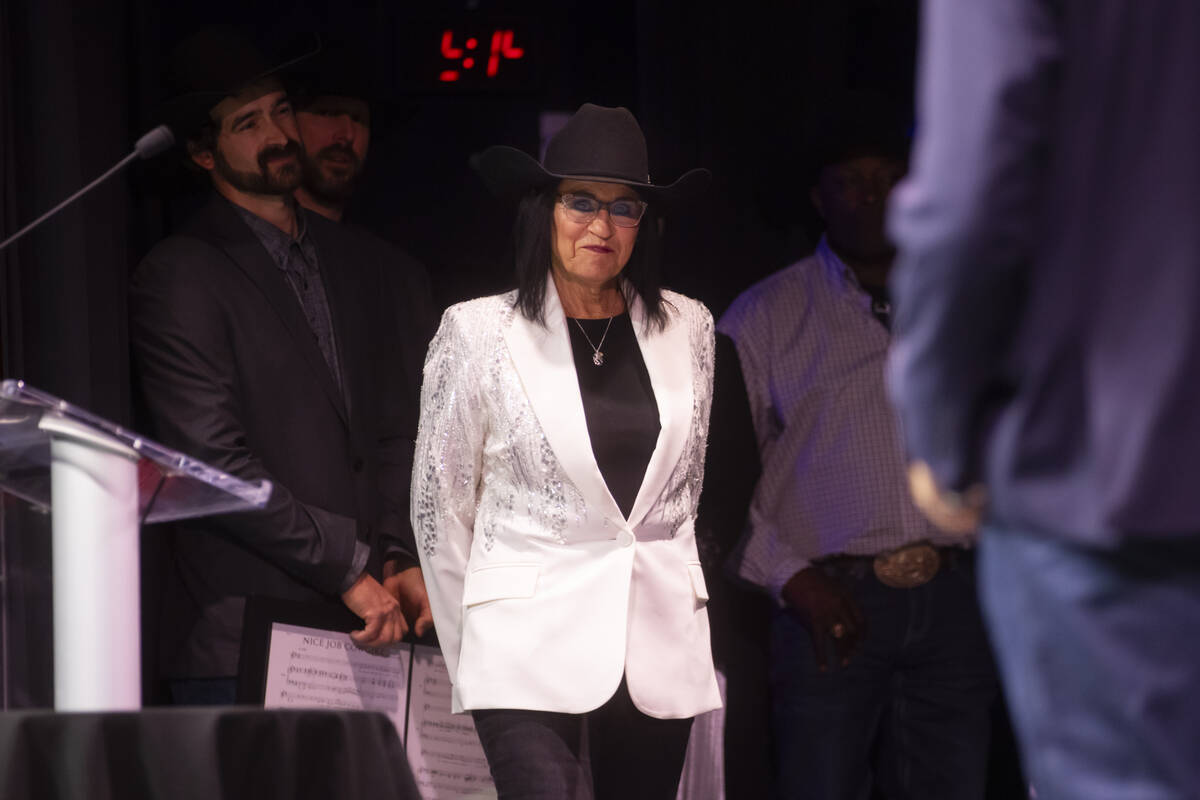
[618,402]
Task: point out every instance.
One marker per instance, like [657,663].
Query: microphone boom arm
[151,144]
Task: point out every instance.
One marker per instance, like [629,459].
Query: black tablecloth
[209,753]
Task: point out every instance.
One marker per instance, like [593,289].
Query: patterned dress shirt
[834,471]
[300,264]
[298,260]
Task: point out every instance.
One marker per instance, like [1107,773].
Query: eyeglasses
[624,212]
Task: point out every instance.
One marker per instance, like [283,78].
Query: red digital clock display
[470,52]
[463,54]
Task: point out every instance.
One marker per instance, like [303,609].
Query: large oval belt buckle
[908,567]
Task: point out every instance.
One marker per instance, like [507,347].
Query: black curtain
[740,89]
[64,113]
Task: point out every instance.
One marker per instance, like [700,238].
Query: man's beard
[861,238]
[281,180]
[331,186]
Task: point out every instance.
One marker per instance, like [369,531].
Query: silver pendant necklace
[597,353]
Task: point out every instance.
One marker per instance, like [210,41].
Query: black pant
[540,755]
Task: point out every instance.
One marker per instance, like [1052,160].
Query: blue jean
[1099,654]
[911,712]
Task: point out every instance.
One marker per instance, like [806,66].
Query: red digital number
[502,48]
[451,52]
[448,48]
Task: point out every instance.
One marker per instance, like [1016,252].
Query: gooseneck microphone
[156,141]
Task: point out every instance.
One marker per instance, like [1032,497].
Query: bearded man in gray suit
[265,342]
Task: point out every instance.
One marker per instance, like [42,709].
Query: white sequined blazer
[543,594]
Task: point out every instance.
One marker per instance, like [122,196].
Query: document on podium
[313,667]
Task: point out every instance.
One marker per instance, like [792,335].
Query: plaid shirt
[834,476]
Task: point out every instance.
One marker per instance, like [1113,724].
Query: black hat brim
[186,112]
[509,172]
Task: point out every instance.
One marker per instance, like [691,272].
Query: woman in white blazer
[556,481]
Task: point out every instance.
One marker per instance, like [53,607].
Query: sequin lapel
[542,357]
[668,358]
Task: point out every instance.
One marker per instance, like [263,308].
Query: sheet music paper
[314,668]
[444,751]
[308,668]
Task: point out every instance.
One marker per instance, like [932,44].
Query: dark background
[735,88]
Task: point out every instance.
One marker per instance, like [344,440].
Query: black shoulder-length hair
[532,244]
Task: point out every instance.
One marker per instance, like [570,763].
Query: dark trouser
[203,691]
[912,711]
[740,622]
[1100,658]
[539,755]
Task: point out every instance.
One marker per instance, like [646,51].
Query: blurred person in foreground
[557,475]
[1047,365]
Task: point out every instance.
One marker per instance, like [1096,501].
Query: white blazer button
[625,538]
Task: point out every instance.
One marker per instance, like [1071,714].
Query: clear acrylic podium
[101,482]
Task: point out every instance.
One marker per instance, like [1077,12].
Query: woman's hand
[408,587]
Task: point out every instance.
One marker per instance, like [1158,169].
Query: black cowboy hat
[342,68]
[346,67]
[211,64]
[856,123]
[596,144]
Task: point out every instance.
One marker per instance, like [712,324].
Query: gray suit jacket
[228,371]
